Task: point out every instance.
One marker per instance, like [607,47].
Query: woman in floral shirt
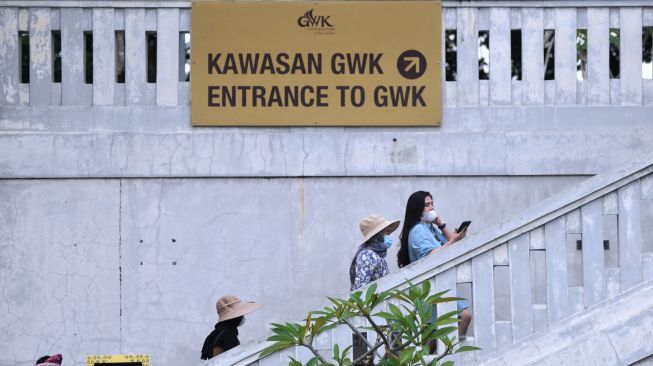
[369,262]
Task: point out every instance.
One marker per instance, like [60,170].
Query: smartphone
[463,226]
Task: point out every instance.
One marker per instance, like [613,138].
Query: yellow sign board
[118,360]
[329,63]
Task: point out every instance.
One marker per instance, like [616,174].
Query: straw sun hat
[374,224]
[230,307]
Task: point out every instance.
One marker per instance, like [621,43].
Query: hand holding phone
[463,226]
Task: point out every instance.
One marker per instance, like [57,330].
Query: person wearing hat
[369,262]
[231,315]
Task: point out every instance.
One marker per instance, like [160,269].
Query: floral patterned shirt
[369,267]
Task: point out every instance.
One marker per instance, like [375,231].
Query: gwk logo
[311,21]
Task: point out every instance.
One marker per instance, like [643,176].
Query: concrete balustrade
[540,299]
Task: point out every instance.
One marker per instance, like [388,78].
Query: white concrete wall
[80,281]
[106,166]
[60,259]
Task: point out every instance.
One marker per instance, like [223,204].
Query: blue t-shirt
[423,238]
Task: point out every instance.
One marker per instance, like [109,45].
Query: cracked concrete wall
[269,214]
[156,219]
[147,141]
[106,266]
[60,275]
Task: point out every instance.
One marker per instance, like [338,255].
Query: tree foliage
[404,330]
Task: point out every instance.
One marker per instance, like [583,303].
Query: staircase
[567,282]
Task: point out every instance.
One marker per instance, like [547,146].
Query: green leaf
[313,361]
[413,327]
[327,328]
[274,348]
[294,362]
[446,299]
[426,286]
[467,349]
[447,363]
[370,292]
[386,315]
[281,338]
[443,331]
[356,296]
[383,296]
[336,352]
[413,292]
[395,310]
[325,313]
[439,294]
[446,321]
[334,301]
[316,328]
[449,315]
[345,351]
[406,355]
[428,332]
[400,296]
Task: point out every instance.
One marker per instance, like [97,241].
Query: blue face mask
[387,241]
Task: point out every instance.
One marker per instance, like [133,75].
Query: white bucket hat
[374,224]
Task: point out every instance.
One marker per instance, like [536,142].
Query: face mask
[387,241]
[242,321]
[429,216]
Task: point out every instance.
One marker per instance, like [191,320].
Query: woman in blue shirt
[420,238]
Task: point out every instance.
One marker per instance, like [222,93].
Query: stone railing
[530,126]
[557,259]
[170,20]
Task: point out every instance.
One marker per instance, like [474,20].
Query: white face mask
[429,216]
[242,321]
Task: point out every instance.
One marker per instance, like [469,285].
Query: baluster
[615,86]
[647,21]
[446,281]
[9,58]
[630,56]
[104,65]
[500,63]
[533,56]
[483,298]
[74,91]
[40,49]
[450,87]
[593,261]
[565,55]
[167,57]
[598,57]
[611,249]
[135,57]
[630,235]
[467,38]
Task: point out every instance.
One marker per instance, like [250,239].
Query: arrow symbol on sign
[413,63]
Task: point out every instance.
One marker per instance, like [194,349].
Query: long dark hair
[414,210]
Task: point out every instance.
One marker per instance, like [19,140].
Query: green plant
[403,332]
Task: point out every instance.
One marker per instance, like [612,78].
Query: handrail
[486,240]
